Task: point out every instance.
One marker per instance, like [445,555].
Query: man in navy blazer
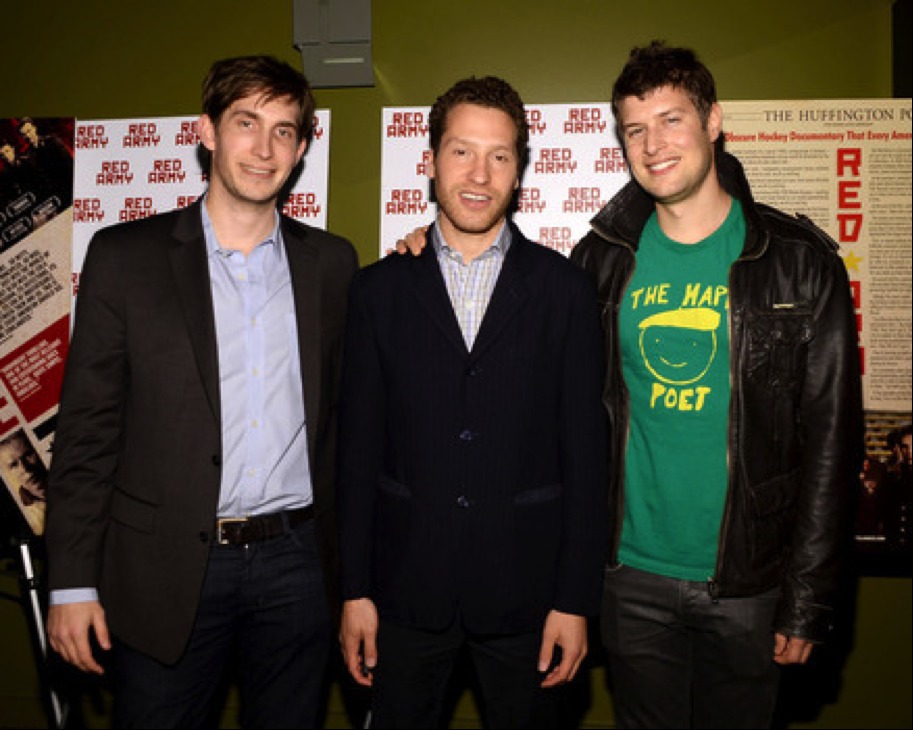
[191,509]
[472,442]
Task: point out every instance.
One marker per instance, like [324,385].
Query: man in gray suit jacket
[191,515]
[472,442]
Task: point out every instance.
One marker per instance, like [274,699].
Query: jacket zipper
[735,409]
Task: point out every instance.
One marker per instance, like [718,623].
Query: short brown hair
[231,79]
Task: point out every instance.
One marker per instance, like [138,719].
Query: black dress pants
[414,670]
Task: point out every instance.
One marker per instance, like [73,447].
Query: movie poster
[36,196]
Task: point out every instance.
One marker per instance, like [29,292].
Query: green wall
[100,59]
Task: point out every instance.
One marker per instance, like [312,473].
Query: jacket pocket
[393,488]
[775,495]
[538,495]
[133,512]
[778,345]
[772,510]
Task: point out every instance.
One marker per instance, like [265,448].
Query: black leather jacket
[795,417]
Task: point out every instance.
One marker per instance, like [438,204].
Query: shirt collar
[500,245]
[212,242]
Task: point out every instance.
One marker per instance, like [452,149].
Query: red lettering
[848,194]
[586,115]
[408,118]
[850,225]
[142,129]
[137,203]
[406,195]
[849,158]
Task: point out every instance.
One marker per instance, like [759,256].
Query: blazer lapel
[508,296]
[303,267]
[191,275]
[431,292]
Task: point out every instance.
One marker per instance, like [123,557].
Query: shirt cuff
[72,595]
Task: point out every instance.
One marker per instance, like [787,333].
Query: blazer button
[467,435]
[463,501]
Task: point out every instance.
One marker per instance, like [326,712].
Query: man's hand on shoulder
[414,242]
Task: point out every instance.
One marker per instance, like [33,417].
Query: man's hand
[414,242]
[358,639]
[69,627]
[566,634]
[791,649]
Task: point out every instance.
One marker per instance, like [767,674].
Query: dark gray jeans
[679,659]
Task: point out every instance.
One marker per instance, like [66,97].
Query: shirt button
[463,501]
[467,435]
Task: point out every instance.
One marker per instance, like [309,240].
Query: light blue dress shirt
[265,464]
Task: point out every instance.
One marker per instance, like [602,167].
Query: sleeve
[89,420]
[361,436]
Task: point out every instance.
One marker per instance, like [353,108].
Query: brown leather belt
[245,530]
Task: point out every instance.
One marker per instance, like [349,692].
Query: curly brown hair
[488,91]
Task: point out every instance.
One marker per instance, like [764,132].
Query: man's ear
[715,121]
[207,132]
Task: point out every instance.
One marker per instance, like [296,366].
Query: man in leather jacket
[734,400]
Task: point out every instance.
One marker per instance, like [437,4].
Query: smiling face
[254,147]
[475,173]
[678,346]
[669,150]
[677,356]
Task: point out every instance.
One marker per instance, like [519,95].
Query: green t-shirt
[674,330]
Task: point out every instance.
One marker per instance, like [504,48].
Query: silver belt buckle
[220,539]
